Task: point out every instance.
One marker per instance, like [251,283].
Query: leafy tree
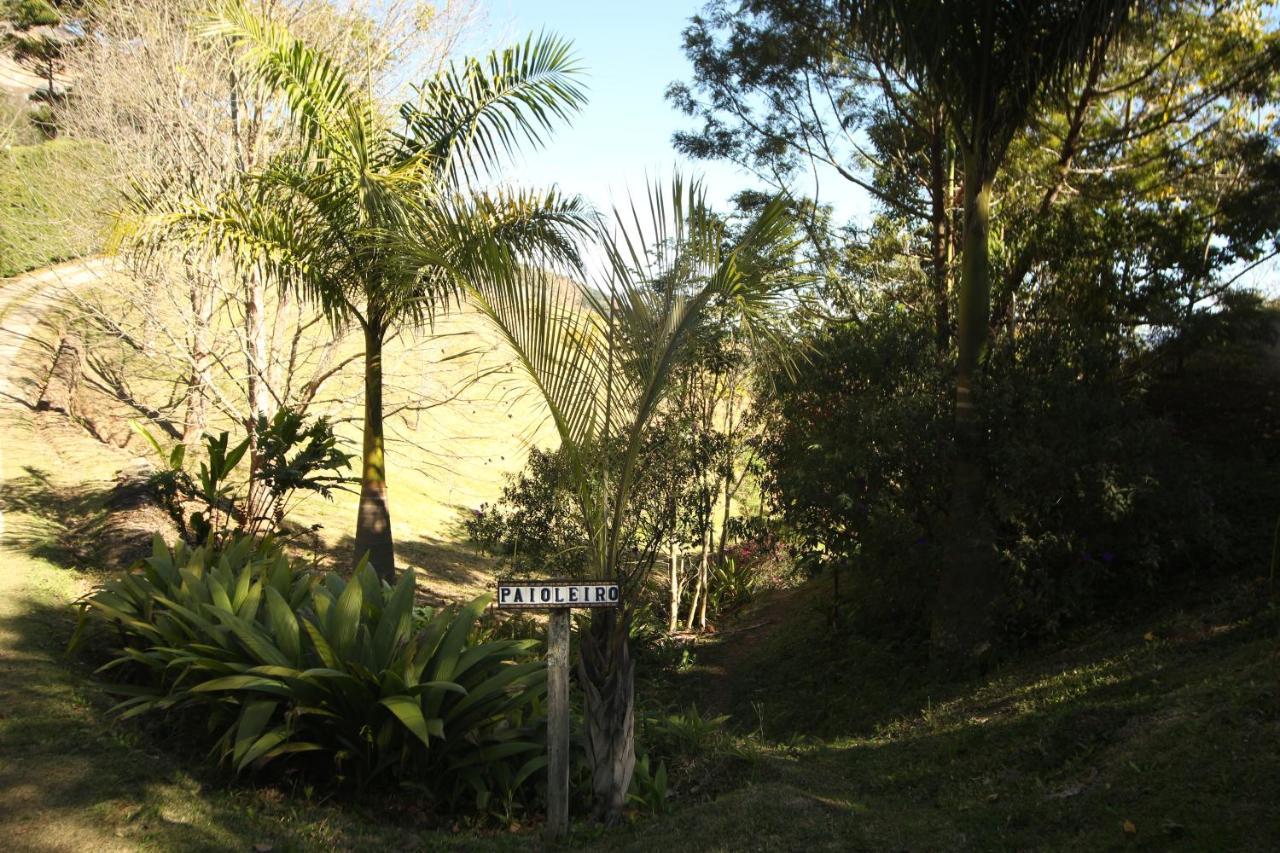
[35,37]
[993,63]
[332,218]
[1129,209]
[979,70]
[602,358]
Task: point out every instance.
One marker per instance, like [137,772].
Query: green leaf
[408,710]
[269,743]
[321,645]
[254,717]
[345,619]
[396,620]
[284,626]
[253,638]
[243,682]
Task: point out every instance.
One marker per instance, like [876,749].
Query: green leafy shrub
[733,584]
[649,787]
[688,733]
[534,527]
[25,14]
[337,679]
[293,456]
[686,755]
[55,203]
[1095,500]
[858,454]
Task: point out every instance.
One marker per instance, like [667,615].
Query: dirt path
[723,655]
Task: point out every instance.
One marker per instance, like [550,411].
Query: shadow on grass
[47,520]
[72,778]
[447,571]
[69,780]
[1161,743]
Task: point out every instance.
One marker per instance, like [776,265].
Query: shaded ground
[1159,735]
[71,779]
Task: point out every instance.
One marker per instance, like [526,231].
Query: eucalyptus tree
[330,217]
[602,356]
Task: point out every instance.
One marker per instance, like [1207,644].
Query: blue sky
[631,52]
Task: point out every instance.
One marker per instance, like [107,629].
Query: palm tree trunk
[373,522]
[608,683]
[962,627]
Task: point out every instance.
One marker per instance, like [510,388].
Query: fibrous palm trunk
[373,522]
[608,682]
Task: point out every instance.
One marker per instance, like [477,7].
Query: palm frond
[602,357]
[475,113]
[331,114]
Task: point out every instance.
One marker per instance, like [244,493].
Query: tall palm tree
[330,217]
[992,60]
[601,356]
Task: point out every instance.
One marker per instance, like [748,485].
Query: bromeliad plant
[323,674]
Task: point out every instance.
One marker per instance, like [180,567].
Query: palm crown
[377,225]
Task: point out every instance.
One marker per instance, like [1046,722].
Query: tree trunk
[698,605]
[256,390]
[373,522]
[673,564]
[969,586]
[704,575]
[608,683]
[728,477]
[939,240]
[196,417]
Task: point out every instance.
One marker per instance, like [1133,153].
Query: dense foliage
[343,680]
[1061,474]
[1098,498]
[54,203]
[288,454]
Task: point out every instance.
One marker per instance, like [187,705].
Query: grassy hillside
[1158,733]
[54,200]
[459,418]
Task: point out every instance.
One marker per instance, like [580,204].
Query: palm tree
[992,61]
[330,217]
[601,357]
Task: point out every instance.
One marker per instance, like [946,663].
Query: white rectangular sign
[542,595]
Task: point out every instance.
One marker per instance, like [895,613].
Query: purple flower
[1108,557]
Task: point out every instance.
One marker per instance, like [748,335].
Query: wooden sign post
[559,597]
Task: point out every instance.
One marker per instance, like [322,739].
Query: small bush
[685,755]
[294,456]
[335,679]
